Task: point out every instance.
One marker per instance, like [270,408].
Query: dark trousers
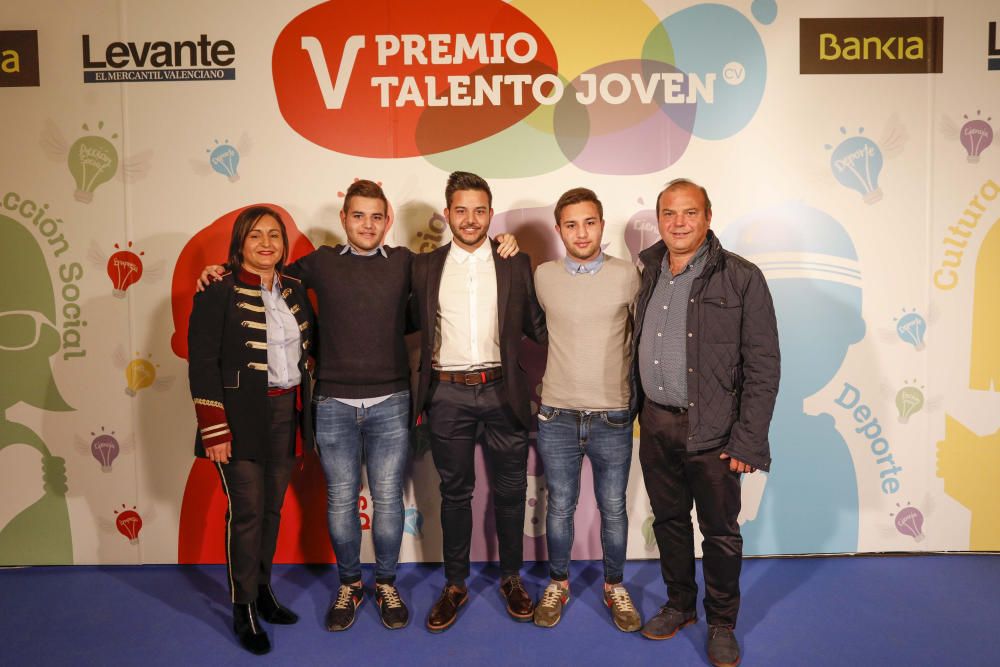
[674,479]
[255,491]
[455,414]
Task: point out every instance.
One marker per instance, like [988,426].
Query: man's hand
[736,465]
[211,273]
[219,453]
[508,245]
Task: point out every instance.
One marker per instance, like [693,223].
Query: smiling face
[580,227]
[263,247]
[469,217]
[683,221]
[364,220]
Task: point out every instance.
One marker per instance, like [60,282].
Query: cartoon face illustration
[812,270]
[966,461]
[28,333]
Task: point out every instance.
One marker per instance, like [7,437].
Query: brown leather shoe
[445,610]
[520,606]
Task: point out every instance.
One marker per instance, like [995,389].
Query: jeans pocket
[317,399]
[616,418]
[547,414]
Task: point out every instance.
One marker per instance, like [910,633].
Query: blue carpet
[915,610]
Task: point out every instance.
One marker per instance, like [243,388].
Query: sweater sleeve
[204,363]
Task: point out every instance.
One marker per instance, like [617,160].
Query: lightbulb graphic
[225,159]
[105,449]
[856,163]
[413,522]
[912,328]
[648,536]
[92,160]
[139,374]
[909,401]
[129,523]
[910,521]
[976,136]
[124,269]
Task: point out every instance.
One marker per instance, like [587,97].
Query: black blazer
[227,349]
[518,311]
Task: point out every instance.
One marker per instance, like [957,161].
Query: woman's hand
[219,453]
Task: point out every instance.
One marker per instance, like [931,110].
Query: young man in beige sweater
[588,298]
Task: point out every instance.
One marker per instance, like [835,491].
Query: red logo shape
[392,79]
[129,523]
[124,269]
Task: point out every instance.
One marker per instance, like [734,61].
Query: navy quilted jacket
[733,353]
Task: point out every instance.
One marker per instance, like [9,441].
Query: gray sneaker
[723,649]
[667,622]
[623,612]
[548,611]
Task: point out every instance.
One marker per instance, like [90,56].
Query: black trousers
[456,413]
[255,491]
[674,479]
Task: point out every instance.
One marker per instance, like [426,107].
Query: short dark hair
[578,196]
[683,183]
[244,224]
[463,180]
[365,188]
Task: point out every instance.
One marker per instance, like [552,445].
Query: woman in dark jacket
[249,341]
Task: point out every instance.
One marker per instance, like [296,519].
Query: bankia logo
[18,58]
[898,45]
[993,49]
[184,60]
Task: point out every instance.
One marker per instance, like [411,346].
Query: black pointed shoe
[273,611]
[249,630]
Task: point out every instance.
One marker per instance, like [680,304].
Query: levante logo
[192,60]
[903,45]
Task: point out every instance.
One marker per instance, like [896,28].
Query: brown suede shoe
[445,610]
[520,606]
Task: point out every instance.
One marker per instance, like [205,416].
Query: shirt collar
[250,278]
[694,265]
[580,268]
[348,248]
[484,253]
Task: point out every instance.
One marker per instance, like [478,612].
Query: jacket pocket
[721,320]
[231,379]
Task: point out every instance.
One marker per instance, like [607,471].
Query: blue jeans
[379,434]
[564,436]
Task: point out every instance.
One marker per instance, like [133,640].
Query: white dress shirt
[467,328]
[284,346]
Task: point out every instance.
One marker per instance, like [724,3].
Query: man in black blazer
[473,312]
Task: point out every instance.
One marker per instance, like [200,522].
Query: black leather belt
[669,408]
[471,378]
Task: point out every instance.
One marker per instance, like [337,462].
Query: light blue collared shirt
[348,248]
[578,268]
[284,341]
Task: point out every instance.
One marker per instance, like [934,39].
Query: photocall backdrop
[847,150]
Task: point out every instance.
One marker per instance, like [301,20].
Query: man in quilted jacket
[705,369]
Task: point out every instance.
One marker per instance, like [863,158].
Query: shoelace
[716,630]
[552,596]
[621,599]
[345,597]
[390,596]
[515,584]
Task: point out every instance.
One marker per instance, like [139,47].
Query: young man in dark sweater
[362,397]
